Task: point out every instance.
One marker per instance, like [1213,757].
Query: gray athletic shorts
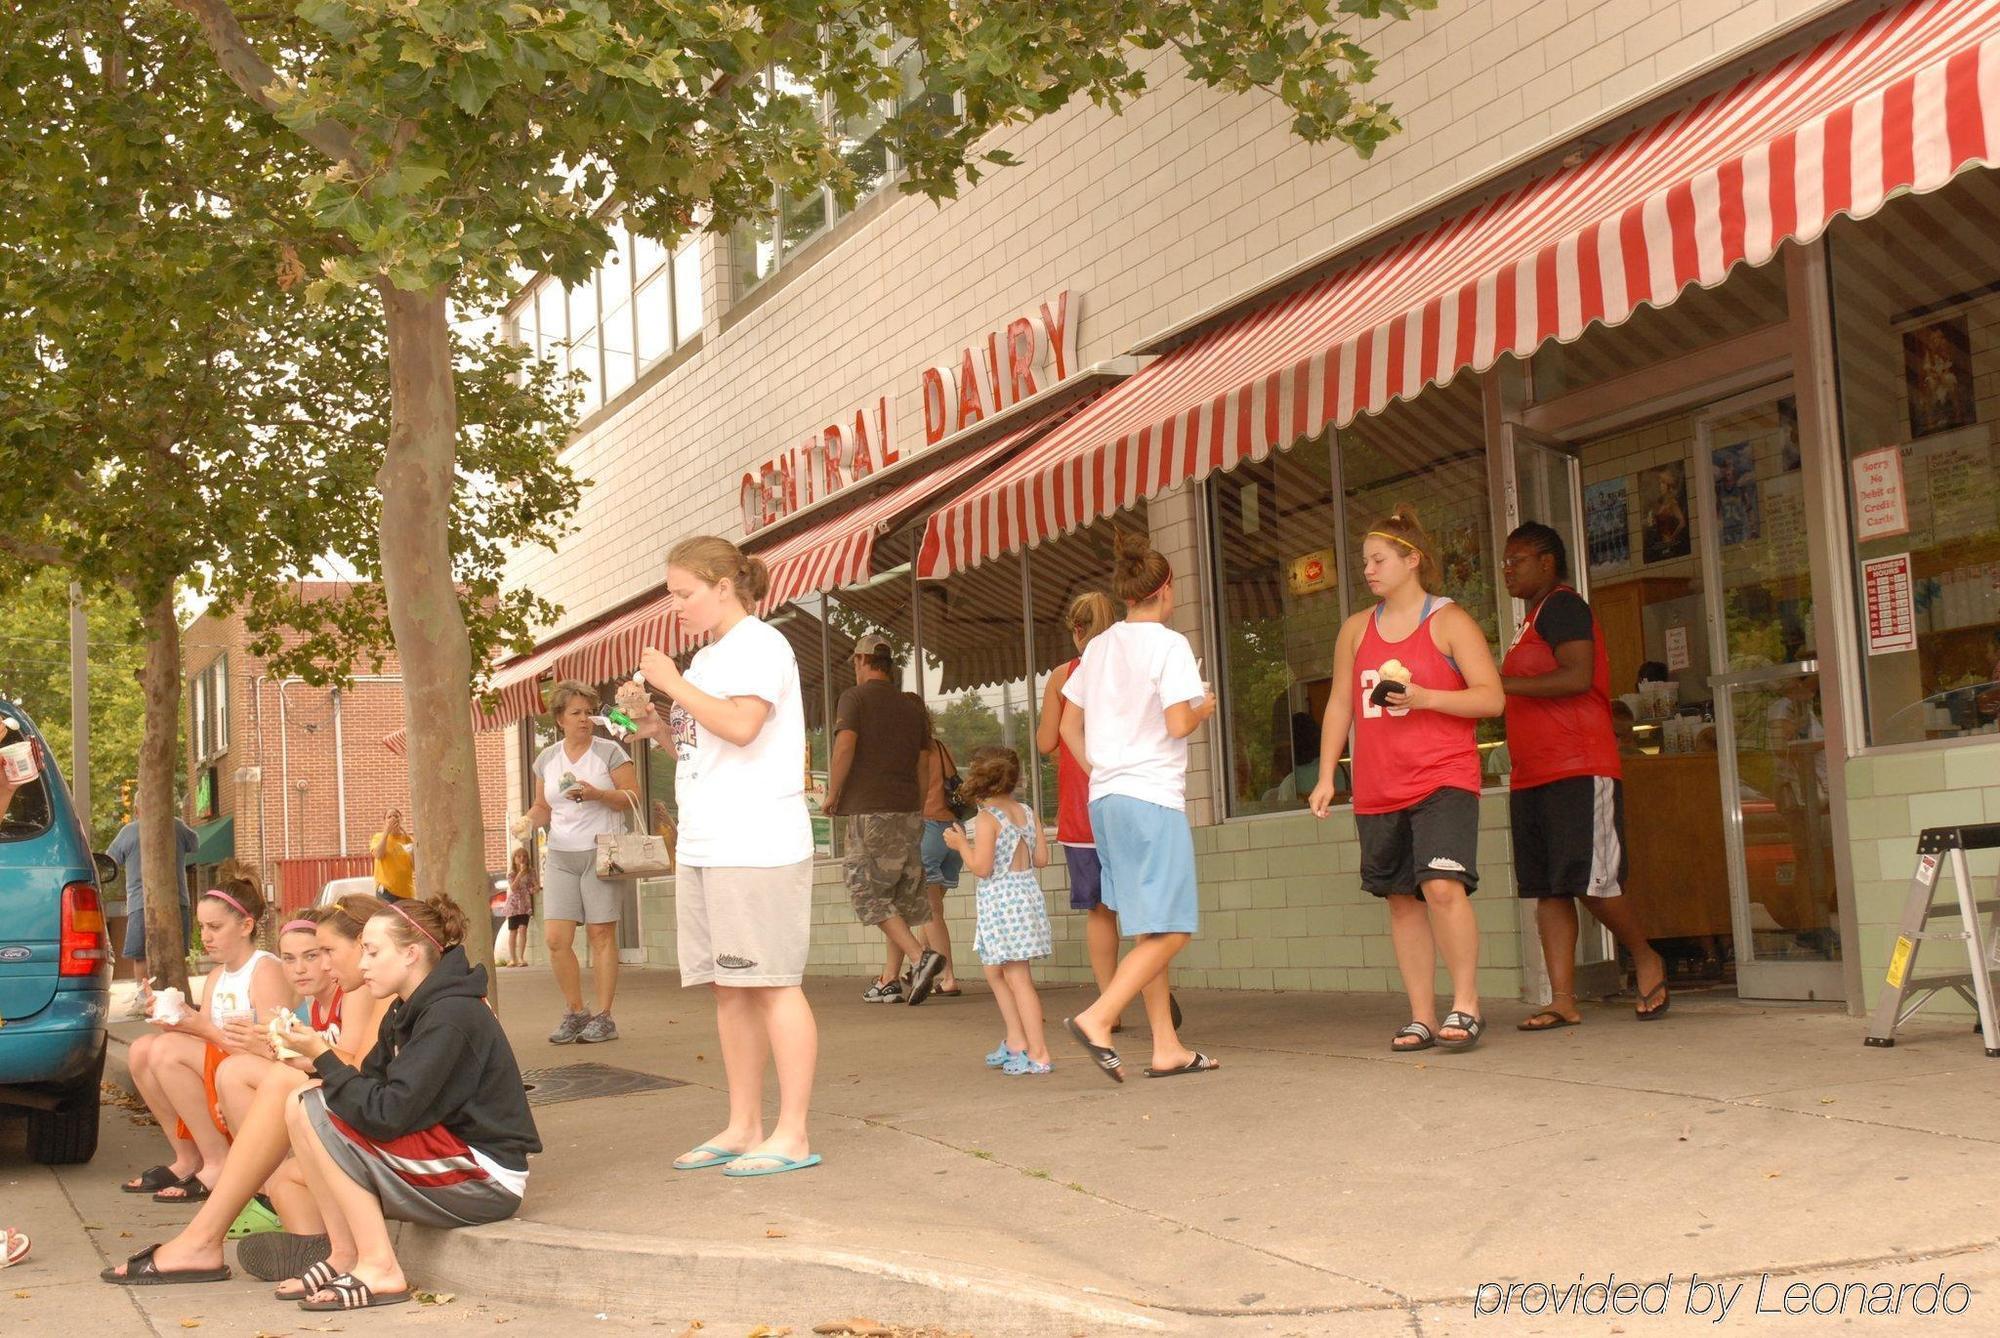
[744,927]
[571,889]
[470,1197]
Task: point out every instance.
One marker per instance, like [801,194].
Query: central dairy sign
[1028,353]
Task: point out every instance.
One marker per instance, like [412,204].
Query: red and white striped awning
[1904,100]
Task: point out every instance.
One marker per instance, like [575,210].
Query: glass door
[1545,483]
[1767,728]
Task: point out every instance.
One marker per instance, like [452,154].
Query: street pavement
[1316,1184]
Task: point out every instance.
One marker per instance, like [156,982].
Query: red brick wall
[294,748]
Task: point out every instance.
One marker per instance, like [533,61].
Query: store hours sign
[995,369]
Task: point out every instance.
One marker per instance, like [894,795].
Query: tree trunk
[416,482]
[160,869]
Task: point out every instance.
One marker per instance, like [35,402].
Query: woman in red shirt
[1568,799]
[1418,673]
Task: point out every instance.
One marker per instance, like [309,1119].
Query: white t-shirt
[744,807]
[574,826]
[1130,673]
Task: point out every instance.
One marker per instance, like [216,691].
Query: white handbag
[632,854]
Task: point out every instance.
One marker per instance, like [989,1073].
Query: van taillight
[84,952]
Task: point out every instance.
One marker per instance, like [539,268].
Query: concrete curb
[529,1263]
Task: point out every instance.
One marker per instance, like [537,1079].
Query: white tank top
[231,991]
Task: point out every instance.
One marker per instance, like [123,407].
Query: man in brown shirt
[879,738]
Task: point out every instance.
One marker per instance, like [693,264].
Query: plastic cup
[17,760]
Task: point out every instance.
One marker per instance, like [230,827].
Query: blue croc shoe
[998,1059]
[1019,1064]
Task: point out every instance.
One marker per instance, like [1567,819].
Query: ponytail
[714,560]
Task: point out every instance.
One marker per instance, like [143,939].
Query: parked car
[346,887]
[55,964]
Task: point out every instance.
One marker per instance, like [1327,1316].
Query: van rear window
[28,814]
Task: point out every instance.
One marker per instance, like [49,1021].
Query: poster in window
[1664,491]
[1937,376]
[1736,493]
[1607,521]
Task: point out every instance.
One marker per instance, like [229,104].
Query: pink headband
[414,925]
[310,926]
[218,892]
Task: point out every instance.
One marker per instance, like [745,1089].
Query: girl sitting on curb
[1006,848]
[259,1156]
[433,1127]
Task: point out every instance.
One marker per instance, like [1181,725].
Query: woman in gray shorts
[743,891]
[585,785]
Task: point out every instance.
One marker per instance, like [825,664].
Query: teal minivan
[55,965]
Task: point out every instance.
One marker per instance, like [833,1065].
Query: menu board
[1892,619]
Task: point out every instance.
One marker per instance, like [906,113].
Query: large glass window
[763,242]
[1059,571]
[1916,299]
[638,306]
[1752,299]
[976,681]
[1431,453]
[1278,559]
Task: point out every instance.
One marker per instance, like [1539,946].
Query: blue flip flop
[783,1164]
[717,1157]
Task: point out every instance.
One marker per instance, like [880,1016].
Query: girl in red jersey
[1567,797]
[1418,673]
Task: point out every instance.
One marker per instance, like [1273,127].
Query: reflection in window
[1278,562]
[1918,338]
[1431,453]
[976,679]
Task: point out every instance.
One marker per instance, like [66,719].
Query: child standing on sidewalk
[1012,927]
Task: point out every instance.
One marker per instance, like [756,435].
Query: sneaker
[998,1059]
[599,1028]
[569,1029]
[924,975]
[1019,1064]
[884,991]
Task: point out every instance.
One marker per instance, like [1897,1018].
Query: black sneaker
[924,975]
[881,991]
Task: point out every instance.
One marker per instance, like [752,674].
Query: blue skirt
[1147,854]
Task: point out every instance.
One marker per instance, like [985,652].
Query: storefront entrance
[1688,535]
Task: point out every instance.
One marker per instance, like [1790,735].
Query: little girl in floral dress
[1012,927]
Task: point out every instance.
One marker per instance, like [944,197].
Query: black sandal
[1103,1056]
[311,1280]
[1473,1028]
[1201,1063]
[141,1271]
[151,1181]
[1417,1029]
[351,1293]
[191,1191]
[1655,1013]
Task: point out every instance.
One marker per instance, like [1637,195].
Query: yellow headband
[1393,538]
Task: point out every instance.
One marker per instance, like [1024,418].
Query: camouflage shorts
[885,867]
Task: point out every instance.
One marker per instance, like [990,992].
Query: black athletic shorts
[1569,838]
[1436,837]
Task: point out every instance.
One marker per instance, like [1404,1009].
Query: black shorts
[520,921]
[1436,837]
[1569,838]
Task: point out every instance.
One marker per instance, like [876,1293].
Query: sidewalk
[1316,1184]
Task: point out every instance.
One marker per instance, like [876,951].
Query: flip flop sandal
[141,1271]
[1201,1063]
[1658,1011]
[351,1293]
[191,1191]
[1425,1040]
[1103,1056]
[943,993]
[278,1256]
[156,1179]
[1473,1028]
[716,1157]
[310,1280]
[1556,1022]
[14,1246]
[779,1165]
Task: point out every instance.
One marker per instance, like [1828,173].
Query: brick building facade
[299,773]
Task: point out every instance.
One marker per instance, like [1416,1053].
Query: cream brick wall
[1188,200]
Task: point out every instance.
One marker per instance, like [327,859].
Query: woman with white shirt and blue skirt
[1138,695]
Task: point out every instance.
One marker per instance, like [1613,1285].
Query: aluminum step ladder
[1939,848]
